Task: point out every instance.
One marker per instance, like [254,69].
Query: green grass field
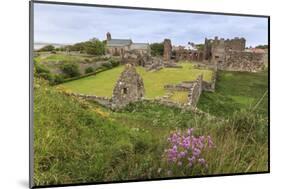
[103,83]
[235,91]
[58,57]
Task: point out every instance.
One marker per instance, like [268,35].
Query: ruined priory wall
[243,61]
[195,92]
[104,101]
[210,86]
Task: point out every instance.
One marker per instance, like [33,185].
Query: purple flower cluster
[186,149]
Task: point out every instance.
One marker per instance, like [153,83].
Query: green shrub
[40,68]
[89,70]
[58,79]
[107,65]
[70,69]
[114,62]
[47,76]
[157,49]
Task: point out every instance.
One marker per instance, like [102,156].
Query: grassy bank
[77,141]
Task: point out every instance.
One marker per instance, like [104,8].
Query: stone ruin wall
[104,101]
[195,92]
[230,55]
[129,88]
[167,54]
[189,55]
[243,61]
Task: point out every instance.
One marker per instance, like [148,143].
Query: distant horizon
[64,24]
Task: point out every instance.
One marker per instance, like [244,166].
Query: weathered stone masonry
[129,88]
[243,61]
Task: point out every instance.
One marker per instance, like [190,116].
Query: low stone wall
[243,61]
[210,86]
[184,86]
[195,92]
[104,101]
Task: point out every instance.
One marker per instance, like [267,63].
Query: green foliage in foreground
[77,141]
[103,83]
[235,91]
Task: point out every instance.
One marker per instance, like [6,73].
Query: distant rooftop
[140,46]
[119,42]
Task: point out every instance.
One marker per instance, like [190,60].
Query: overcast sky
[71,24]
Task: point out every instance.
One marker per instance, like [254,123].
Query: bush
[157,49]
[47,76]
[58,79]
[70,69]
[89,70]
[114,62]
[107,65]
[40,68]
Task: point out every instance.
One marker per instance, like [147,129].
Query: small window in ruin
[217,57]
[124,91]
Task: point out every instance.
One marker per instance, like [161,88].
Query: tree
[262,47]
[200,47]
[47,48]
[93,47]
[157,49]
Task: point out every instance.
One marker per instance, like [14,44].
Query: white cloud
[70,24]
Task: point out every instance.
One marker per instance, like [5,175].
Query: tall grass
[77,141]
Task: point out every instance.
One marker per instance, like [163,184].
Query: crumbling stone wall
[243,61]
[230,55]
[167,50]
[236,44]
[129,88]
[190,55]
[195,91]
[210,86]
[104,101]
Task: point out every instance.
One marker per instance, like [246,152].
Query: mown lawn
[59,57]
[235,91]
[103,83]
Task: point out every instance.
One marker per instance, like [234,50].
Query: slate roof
[119,42]
[140,46]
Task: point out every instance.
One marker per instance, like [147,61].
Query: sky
[67,24]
